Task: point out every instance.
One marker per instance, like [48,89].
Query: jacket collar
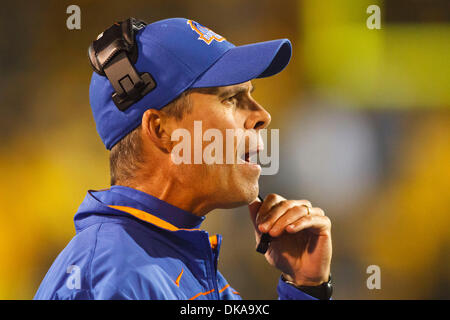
[120,200]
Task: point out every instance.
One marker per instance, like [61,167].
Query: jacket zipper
[212,268]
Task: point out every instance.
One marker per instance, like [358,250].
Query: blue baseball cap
[181,54]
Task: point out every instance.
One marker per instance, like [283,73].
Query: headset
[113,55]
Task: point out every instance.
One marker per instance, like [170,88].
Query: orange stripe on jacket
[201,294]
[213,241]
[177,281]
[145,216]
[208,292]
[224,288]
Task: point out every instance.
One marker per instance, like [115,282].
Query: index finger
[253,207]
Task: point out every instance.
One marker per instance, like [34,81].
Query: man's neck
[168,191]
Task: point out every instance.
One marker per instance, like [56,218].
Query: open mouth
[250,157]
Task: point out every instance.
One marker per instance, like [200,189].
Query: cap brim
[244,63]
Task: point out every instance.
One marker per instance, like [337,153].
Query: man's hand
[301,245]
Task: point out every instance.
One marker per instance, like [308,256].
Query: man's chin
[242,189]
[245,194]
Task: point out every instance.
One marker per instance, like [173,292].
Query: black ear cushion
[120,36]
[128,31]
[93,60]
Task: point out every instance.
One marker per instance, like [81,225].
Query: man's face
[235,118]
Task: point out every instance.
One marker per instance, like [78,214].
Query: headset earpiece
[113,55]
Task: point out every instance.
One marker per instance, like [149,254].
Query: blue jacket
[130,245]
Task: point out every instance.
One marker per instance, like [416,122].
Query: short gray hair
[126,157]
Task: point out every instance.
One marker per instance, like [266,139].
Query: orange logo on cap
[205,33]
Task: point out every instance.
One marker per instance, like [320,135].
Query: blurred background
[364,119]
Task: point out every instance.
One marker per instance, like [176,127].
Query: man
[140,239]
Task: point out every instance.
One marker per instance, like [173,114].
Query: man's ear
[154,128]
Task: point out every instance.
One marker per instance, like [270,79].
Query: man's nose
[258,118]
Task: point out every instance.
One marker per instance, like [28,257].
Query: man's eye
[231,99]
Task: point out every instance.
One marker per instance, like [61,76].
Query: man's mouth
[250,157]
